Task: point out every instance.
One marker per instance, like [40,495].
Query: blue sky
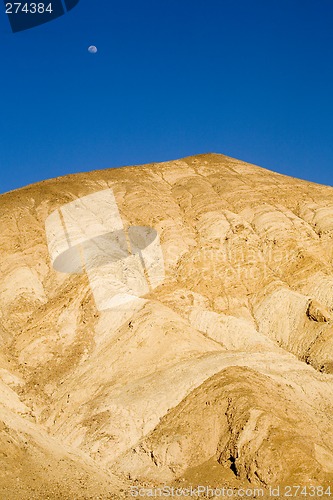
[172,78]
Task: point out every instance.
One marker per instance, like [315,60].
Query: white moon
[92,49]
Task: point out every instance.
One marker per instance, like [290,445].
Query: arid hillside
[165,324]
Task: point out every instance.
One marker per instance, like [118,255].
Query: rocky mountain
[162,324]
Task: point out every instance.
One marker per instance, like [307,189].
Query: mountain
[165,324]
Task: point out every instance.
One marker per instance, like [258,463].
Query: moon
[92,49]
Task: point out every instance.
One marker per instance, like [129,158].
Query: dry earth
[222,374]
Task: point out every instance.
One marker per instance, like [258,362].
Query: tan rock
[159,318]
[317,312]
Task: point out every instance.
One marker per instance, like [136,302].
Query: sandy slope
[227,362]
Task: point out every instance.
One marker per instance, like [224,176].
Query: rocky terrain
[163,324]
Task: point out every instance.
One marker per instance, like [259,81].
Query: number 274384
[28,8]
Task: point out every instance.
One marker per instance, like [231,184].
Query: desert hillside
[162,324]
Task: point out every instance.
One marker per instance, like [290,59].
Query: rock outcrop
[183,319]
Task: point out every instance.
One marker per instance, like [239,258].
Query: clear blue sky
[252,79]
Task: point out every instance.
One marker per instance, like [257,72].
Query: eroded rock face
[317,312]
[243,419]
[224,353]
